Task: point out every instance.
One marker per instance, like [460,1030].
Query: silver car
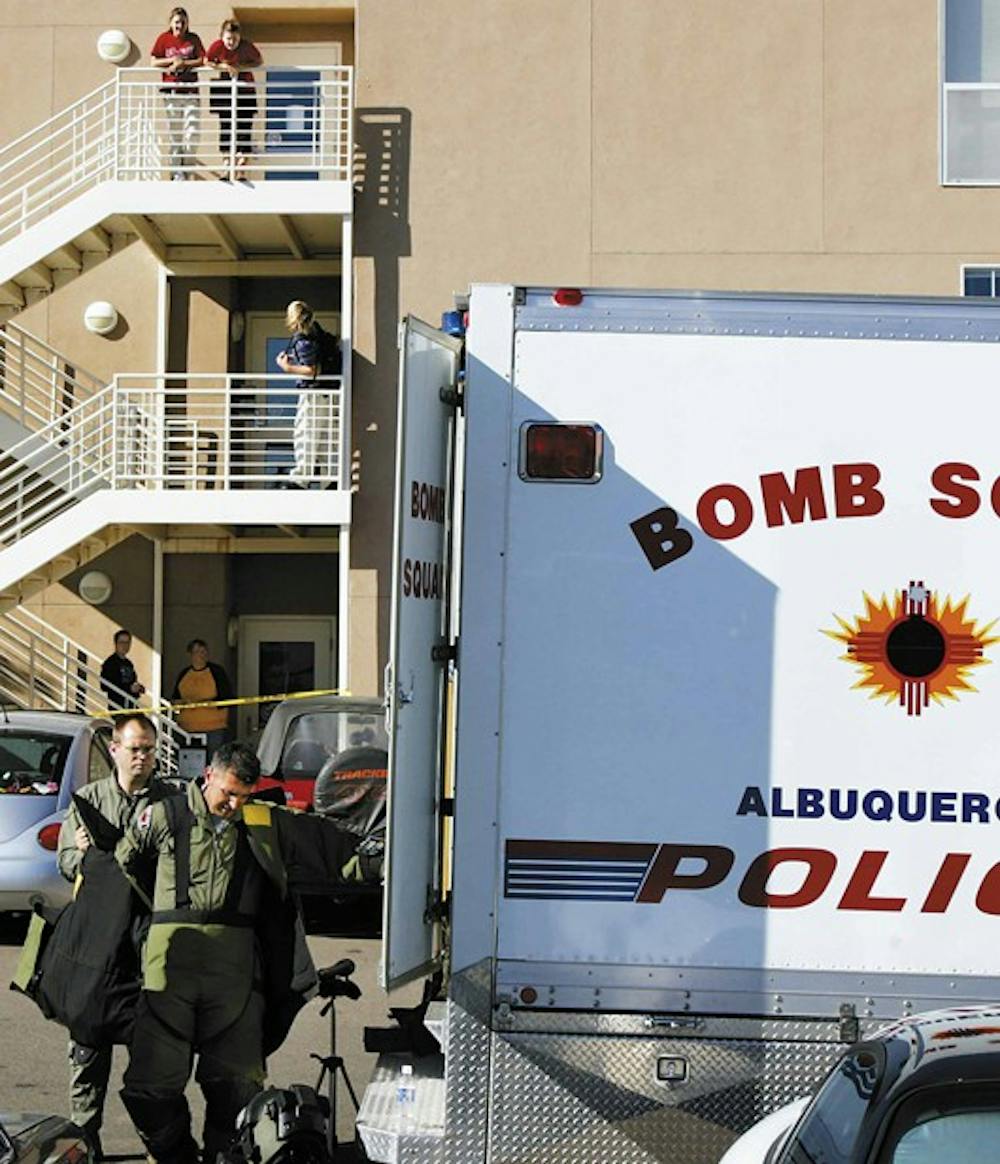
[45,756]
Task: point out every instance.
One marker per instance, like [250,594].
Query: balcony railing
[232,432]
[132,129]
[205,432]
[970,138]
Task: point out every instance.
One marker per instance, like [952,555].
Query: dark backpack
[330,360]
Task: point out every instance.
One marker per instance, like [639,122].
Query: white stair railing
[37,383]
[121,131]
[49,470]
[175,432]
[40,667]
[49,165]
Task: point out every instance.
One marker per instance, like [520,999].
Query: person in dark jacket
[202,682]
[118,678]
[311,432]
[117,800]
[225,969]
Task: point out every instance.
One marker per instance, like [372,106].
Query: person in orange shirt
[202,681]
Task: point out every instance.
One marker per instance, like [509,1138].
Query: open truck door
[417,671]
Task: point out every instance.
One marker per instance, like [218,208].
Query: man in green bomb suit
[226,967]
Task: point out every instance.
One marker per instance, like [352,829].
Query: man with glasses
[224,971]
[118,799]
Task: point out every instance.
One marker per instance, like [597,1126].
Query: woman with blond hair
[302,357]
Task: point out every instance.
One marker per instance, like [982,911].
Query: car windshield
[316,736]
[31,763]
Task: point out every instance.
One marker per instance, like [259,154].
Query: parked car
[41,1139]
[304,738]
[921,1090]
[45,756]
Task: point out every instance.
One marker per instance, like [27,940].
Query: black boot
[224,1100]
[164,1126]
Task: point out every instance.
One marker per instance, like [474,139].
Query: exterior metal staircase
[42,668]
[37,384]
[101,168]
[39,388]
[84,463]
[159,449]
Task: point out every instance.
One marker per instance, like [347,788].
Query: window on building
[970,107]
[983,282]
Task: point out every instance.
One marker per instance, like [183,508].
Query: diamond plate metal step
[391,1136]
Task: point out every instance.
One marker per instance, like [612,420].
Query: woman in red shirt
[233,89]
[179,52]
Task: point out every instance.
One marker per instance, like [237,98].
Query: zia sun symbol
[914,647]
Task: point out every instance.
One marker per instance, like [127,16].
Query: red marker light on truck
[561,452]
[567,297]
[48,837]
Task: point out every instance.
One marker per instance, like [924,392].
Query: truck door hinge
[444,653]
[850,1027]
[452,395]
[437,909]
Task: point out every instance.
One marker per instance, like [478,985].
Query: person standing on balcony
[179,52]
[203,682]
[119,681]
[115,802]
[233,89]
[311,352]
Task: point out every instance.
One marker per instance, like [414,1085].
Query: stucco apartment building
[401,150]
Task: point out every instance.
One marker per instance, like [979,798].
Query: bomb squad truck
[695,769]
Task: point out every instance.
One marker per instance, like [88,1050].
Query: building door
[279,656]
[295,97]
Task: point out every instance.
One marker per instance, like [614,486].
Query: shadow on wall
[382,233]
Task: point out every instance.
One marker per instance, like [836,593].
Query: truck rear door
[415,678]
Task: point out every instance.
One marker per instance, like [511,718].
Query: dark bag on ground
[281,1126]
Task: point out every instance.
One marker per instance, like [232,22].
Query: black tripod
[335,982]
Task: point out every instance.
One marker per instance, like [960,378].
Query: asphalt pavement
[34,1073]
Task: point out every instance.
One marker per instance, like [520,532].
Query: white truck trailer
[698,594]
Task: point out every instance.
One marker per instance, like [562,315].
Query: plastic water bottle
[406,1096]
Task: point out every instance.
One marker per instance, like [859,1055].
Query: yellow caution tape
[243,701]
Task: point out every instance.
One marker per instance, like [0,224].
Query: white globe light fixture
[100,317]
[113,46]
[94,587]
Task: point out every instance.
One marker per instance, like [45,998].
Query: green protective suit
[224,972]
